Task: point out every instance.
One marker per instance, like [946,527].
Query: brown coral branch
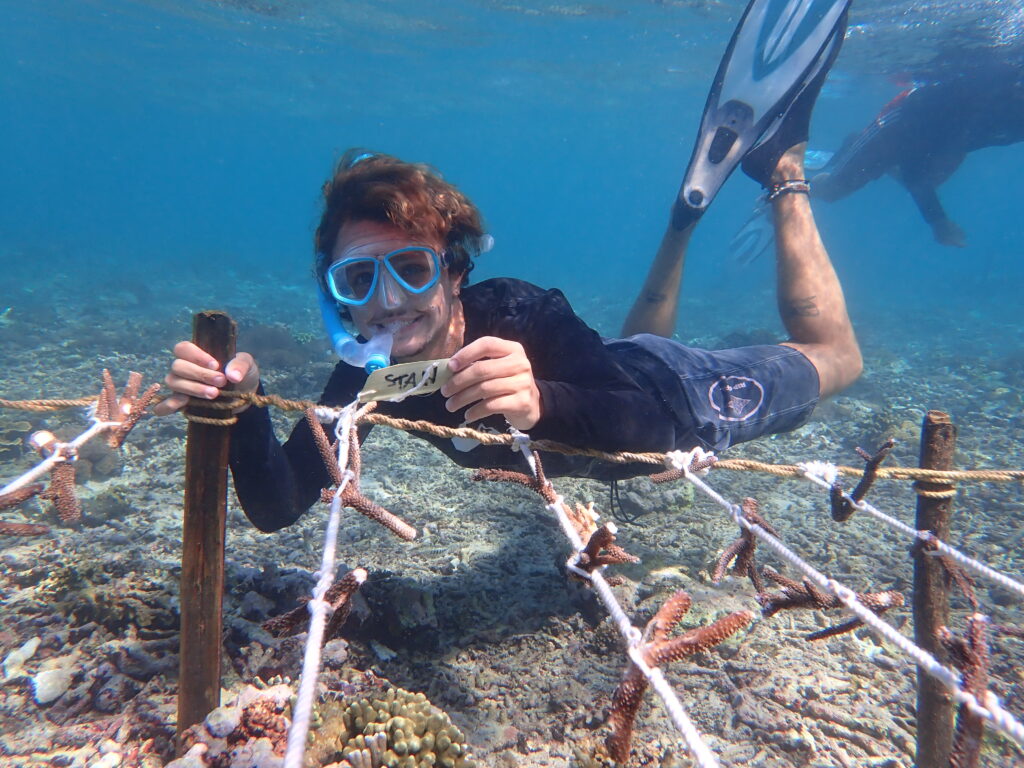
[601,550]
[842,508]
[657,649]
[61,490]
[125,411]
[351,495]
[625,703]
[106,406]
[807,595]
[538,484]
[352,498]
[955,572]
[676,474]
[970,655]
[19,495]
[697,640]
[323,446]
[743,549]
[338,596]
[23,529]
[1009,630]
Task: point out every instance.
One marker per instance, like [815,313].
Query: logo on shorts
[736,398]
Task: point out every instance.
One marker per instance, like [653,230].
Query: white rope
[40,469]
[702,755]
[319,607]
[993,711]
[824,474]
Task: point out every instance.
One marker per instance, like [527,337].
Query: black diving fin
[781,50]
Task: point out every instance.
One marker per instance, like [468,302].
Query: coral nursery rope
[987,707]
[231,400]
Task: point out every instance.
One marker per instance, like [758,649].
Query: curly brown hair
[375,187]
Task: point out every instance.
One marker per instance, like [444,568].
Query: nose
[390,295]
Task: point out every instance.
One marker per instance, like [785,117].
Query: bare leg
[811,302]
[657,305]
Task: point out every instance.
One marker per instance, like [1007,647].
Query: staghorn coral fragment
[659,648]
[19,495]
[351,496]
[323,446]
[807,595]
[338,596]
[61,490]
[538,484]
[602,550]
[23,529]
[969,654]
[123,412]
[698,465]
[842,508]
[743,549]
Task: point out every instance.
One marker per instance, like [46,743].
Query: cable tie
[819,469]
[683,460]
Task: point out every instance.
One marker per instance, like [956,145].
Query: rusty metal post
[202,546]
[931,595]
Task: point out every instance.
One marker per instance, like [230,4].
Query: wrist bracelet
[790,186]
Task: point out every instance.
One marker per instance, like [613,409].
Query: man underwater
[395,246]
[914,139]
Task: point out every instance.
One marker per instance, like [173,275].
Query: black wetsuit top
[591,397]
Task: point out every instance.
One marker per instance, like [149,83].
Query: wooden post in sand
[202,547]
[931,593]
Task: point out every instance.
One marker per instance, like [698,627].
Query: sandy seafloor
[477,613]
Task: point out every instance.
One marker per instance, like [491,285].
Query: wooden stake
[202,550]
[931,596]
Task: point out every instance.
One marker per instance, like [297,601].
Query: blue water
[151,135]
[162,157]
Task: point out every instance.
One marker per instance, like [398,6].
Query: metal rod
[202,546]
[931,595]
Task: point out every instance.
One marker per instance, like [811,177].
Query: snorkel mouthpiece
[371,356]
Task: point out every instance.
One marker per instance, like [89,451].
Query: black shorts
[726,396]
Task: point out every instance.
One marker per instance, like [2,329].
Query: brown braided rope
[232,400]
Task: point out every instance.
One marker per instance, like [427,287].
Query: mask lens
[352,280]
[416,269]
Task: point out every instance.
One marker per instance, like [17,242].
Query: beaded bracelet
[790,186]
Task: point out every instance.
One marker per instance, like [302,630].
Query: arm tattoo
[654,297]
[802,307]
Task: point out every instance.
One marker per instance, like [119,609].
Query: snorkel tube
[371,356]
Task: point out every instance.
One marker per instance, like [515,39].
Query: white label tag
[397,382]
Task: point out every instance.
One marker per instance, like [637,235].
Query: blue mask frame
[439,263]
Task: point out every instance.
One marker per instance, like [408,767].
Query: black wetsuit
[923,135]
[638,394]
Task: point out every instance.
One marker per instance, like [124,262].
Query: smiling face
[427,325]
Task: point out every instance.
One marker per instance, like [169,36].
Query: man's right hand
[194,373]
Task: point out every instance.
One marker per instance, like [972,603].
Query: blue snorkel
[373,355]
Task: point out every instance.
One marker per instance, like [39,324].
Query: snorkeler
[395,246]
[923,135]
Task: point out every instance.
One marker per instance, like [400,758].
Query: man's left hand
[494,376]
